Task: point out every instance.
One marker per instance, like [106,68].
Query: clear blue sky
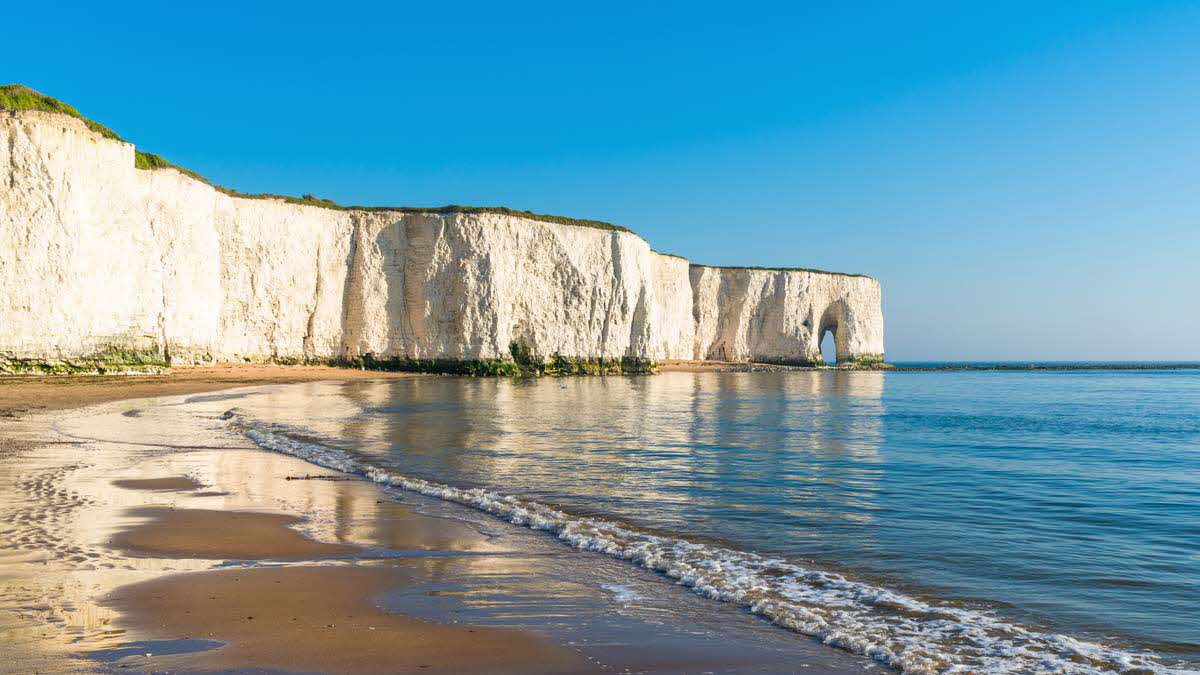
[1023,178]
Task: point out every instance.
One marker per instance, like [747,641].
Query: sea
[932,520]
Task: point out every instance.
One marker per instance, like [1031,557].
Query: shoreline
[24,394]
[149,535]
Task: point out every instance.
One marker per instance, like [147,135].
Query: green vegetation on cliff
[107,361]
[20,97]
[532,365]
[523,364]
[863,362]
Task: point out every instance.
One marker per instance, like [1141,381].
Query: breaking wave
[908,634]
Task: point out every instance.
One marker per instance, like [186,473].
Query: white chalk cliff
[96,254]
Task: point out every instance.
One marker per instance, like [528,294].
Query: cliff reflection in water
[792,455]
[1019,489]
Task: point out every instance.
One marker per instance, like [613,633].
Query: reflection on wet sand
[318,618]
[169,484]
[211,534]
[113,543]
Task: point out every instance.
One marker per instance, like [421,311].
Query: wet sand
[221,535]
[300,618]
[148,550]
[168,484]
[305,619]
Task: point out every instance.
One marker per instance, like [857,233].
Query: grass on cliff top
[20,97]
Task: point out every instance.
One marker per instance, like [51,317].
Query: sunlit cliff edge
[112,261]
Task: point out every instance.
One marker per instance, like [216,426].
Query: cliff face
[466,286]
[97,256]
[781,315]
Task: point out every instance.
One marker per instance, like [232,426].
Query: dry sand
[24,394]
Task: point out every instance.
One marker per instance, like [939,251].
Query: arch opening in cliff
[828,346]
[830,341]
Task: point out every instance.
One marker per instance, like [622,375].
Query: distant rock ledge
[108,267]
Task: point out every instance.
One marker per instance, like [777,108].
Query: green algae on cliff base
[864,362]
[816,362]
[108,361]
[523,364]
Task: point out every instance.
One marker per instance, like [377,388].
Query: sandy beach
[576,338]
[134,542]
[22,395]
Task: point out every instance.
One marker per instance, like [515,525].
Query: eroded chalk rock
[98,257]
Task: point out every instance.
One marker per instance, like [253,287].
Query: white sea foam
[908,634]
[622,595]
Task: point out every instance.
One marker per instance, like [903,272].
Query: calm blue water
[1065,501]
